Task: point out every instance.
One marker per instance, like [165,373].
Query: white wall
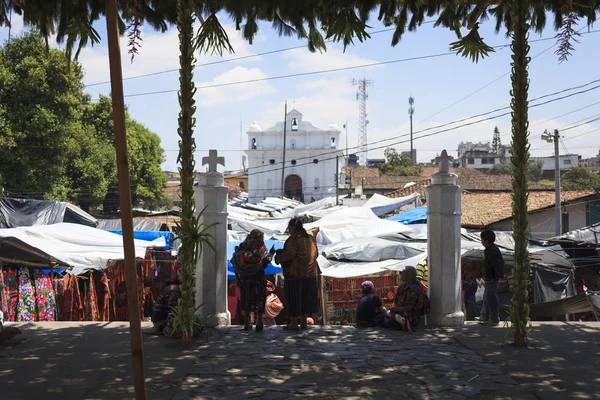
[264,179]
[542,223]
[566,162]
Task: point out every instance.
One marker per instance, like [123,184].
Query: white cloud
[158,52]
[221,95]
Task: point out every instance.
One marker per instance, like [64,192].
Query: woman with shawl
[249,262]
[301,271]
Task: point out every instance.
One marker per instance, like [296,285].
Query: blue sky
[435,83]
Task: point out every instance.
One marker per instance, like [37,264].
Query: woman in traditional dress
[301,271]
[163,308]
[409,302]
[249,262]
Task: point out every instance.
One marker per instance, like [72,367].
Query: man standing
[492,273]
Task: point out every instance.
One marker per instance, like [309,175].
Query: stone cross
[212,160]
[444,162]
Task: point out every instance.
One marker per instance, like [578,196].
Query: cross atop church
[212,160]
[444,162]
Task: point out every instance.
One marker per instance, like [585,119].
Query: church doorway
[293,188]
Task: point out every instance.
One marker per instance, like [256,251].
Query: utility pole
[411,111]
[557,215]
[337,180]
[118,103]
[362,97]
[346,127]
[284,140]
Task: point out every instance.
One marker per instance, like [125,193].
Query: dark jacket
[494,264]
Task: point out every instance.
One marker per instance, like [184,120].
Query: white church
[310,160]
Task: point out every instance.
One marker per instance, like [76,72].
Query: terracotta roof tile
[481,209]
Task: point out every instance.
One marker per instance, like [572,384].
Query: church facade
[310,160]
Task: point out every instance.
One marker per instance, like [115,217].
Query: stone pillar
[443,247]
[211,270]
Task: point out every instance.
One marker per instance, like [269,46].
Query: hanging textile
[26,310]
[59,289]
[4,295]
[11,289]
[73,305]
[103,291]
[91,300]
[44,297]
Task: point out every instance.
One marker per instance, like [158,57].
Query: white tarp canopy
[269,227]
[352,222]
[344,269]
[369,250]
[309,209]
[78,246]
[382,205]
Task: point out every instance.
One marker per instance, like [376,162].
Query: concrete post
[211,271]
[443,247]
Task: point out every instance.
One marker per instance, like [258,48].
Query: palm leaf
[212,37]
[472,46]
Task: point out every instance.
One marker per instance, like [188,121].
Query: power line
[571,138]
[581,124]
[565,114]
[501,76]
[234,59]
[474,116]
[327,71]
[433,133]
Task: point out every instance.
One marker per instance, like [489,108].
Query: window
[317,184]
[333,143]
[316,160]
[293,143]
[484,160]
[272,161]
[567,161]
[241,185]
[293,162]
[492,161]
[471,161]
[253,143]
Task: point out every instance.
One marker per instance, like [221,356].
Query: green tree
[41,103]
[397,164]
[497,143]
[55,144]
[534,170]
[579,178]
[145,158]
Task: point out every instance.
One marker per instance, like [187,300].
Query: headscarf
[368,287]
[247,260]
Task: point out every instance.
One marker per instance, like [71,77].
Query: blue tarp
[270,270]
[150,236]
[415,215]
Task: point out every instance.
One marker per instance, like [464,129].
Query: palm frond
[346,26]
[567,37]
[212,37]
[472,46]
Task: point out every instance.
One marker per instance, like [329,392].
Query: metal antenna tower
[362,96]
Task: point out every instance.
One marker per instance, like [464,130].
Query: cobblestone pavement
[342,362]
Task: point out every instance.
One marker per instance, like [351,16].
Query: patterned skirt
[253,292]
[302,295]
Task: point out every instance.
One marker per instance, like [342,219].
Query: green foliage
[579,178]
[55,144]
[534,169]
[472,46]
[398,164]
[497,143]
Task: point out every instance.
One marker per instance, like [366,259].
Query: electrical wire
[330,71]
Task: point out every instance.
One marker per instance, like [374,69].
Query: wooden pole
[284,139]
[118,103]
